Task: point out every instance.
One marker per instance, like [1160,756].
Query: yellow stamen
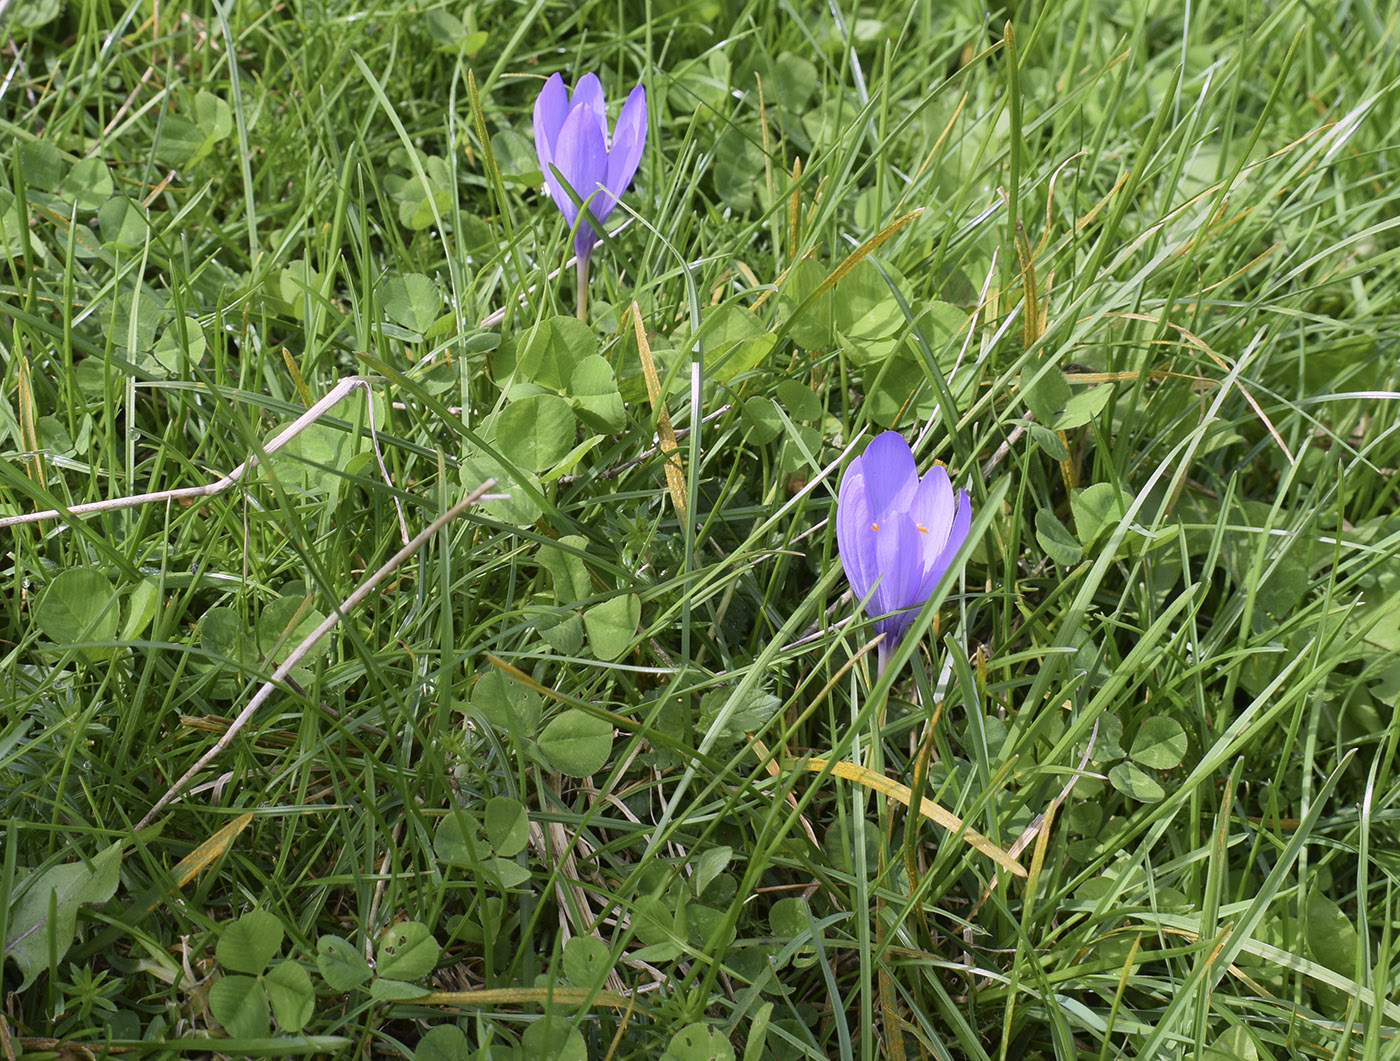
[874,526]
[922,528]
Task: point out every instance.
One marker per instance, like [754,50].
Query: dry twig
[297,654]
[218,486]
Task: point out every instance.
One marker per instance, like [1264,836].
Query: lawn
[416,646]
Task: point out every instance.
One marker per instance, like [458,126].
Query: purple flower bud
[897,533]
[571,135]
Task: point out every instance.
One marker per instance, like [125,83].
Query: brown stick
[298,653]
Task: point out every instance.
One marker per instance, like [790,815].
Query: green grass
[555,768]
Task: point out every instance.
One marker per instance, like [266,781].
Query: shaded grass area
[600,766]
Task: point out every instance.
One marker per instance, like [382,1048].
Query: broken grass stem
[297,654]
[301,423]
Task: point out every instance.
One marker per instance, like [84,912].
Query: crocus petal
[957,534]
[890,477]
[897,534]
[588,95]
[855,542]
[581,160]
[625,152]
[584,240]
[932,509]
[572,144]
[901,570]
[551,108]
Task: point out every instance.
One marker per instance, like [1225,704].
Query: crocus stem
[885,652]
[581,276]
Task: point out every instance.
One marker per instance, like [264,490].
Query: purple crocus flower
[571,135]
[897,533]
